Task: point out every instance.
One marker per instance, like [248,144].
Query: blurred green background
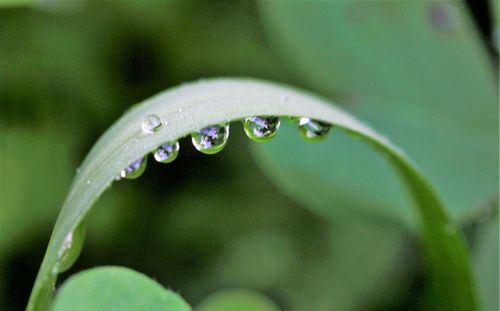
[328,228]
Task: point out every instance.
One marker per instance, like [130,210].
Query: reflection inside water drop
[261,129]
[135,169]
[313,130]
[166,153]
[211,139]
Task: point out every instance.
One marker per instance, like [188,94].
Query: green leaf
[486,259]
[115,288]
[416,70]
[335,191]
[237,300]
[193,106]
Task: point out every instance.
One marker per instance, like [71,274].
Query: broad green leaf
[486,259]
[115,288]
[237,300]
[193,106]
[329,189]
[416,70]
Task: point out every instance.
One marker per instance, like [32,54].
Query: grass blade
[192,106]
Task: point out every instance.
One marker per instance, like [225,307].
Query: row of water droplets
[208,140]
[213,138]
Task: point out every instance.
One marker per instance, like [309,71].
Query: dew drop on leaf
[151,124]
[71,249]
[135,169]
[211,139]
[261,129]
[313,130]
[166,153]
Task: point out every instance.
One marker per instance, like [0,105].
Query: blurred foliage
[237,300]
[30,162]
[310,180]
[203,224]
[418,72]
[116,288]
[486,256]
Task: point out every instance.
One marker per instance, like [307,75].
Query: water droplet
[88,182]
[71,249]
[135,169]
[151,124]
[261,129]
[211,139]
[166,153]
[313,130]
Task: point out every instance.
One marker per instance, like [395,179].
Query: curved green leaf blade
[237,300]
[416,70]
[486,259]
[115,288]
[193,106]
